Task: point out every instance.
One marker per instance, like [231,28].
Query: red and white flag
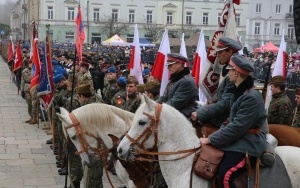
[280,64]
[80,34]
[227,28]
[18,58]
[183,49]
[135,59]
[10,51]
[160,70]
[199,64]
[36,66]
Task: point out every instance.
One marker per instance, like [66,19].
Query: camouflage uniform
[25,86]
[95,169]
[34,101]
[296,117]
[109,91]
[133,102]
[119,99]
[280,109]
[85,78]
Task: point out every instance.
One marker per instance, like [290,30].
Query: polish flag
[198,65]
[18,58]
[10,51]
[183,49]
[135,59]
[160,70]
[280,64]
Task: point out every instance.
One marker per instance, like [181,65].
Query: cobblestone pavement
[25,160]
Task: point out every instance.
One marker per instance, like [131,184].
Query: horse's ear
[114,139]
[63,111]
[142,98]
[64,118]
[150,103]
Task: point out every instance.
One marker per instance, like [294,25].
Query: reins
[102,152]
[153,128]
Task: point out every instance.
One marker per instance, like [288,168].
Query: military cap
[277,80]
[152,87]
[132,80]
[228,43]
[83,88]
[297,91]
[240,64]
[111,70]
[141,88]
[121,80]
[146,72]
[86,65]
[57,78]
[174,58]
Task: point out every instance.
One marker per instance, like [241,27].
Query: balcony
[289,16]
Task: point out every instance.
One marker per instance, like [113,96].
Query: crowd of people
[103,77]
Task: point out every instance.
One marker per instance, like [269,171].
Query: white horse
[100,120]
[176,133]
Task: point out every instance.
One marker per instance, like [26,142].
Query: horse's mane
[102,115]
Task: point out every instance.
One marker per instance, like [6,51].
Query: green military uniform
[95,170]
[119,99]
[109,91]
[280,109]
[25,86]
[85,78]
[296,117]
[133,102]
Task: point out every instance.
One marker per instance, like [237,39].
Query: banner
[80,34]
[18,58]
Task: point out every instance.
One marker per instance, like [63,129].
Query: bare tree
[153,31]
[110,27]
[190,30]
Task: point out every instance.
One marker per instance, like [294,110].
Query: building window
[131,16]
[69,36]
[257,29]
[50,13]
[290,31]
[238,19]
[291,9]
[219,17]
[205,18]
[278,8]
[130,37]
[96,14]
[188,18]
[169,18]
[71,13]
[149,16]
[114,15]
[96,37]
[258,8]
[276,28]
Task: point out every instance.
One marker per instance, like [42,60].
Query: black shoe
[59,165]
[62,169]
[63,172]
[113,171]
[58,162]
[55,152]
[49,141]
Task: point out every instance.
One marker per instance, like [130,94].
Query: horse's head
[70,131]
[141,135]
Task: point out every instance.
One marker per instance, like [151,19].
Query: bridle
[102,151]
[144,136]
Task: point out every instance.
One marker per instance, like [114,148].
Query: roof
[115,40]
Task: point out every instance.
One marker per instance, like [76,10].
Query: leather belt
[249,131]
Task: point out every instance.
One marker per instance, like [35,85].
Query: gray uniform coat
[217,113]
[248,112]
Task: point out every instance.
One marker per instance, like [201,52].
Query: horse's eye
[73,137]
[142,122]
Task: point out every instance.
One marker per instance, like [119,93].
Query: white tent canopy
[115,40]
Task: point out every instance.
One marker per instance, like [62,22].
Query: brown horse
[286,135]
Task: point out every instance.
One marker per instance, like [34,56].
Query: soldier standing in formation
[25,89]
[296,114]
[280,107]
[110,88]
[133,100]
[120,97]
